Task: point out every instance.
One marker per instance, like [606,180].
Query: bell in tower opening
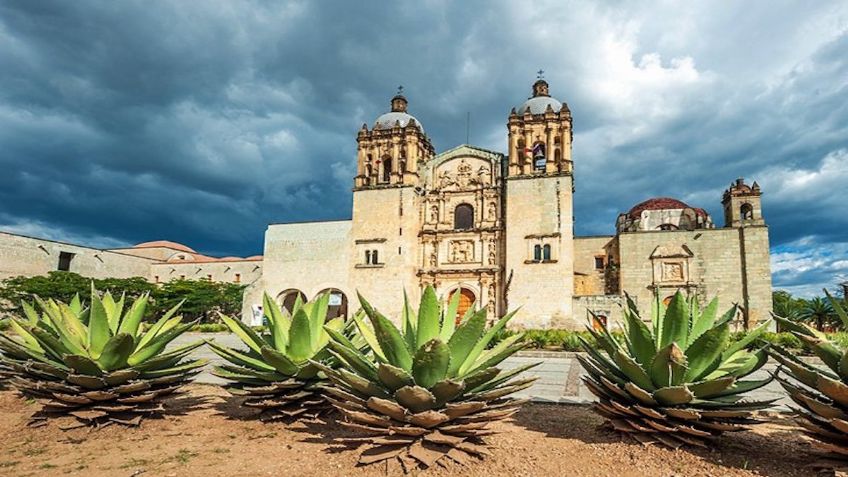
[539,158]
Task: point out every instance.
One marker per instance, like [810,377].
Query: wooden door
[466,301]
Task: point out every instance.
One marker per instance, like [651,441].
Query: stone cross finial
[400,90]
[540,74]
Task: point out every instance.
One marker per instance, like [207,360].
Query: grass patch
[11,463]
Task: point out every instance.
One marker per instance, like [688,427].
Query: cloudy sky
[201,122]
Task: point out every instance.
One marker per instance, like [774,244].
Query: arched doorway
[287,298]
[338,303]
[466,301]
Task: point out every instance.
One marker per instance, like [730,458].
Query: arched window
[546,252]
[288,298]
[557,155]
[539,156]
[463,217]
[537,253]
[387,169]
[337,305]
[746,212]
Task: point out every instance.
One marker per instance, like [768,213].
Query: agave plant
[274,372]
[820,393]
[679,381]
[96,364]
[428,391]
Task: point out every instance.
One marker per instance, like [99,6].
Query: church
[498,230]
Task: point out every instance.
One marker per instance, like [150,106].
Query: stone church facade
[498,229]
[495,228]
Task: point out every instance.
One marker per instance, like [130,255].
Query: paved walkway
[559,374]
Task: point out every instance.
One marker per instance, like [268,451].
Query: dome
[388,120]
[661,203]
[165,244]
[539,105]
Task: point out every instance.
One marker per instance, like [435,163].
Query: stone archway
[287,298]
[338,303]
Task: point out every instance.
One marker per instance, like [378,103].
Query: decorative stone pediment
[672,251]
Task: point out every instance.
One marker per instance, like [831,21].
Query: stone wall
[706,262]
[27,256]
[589,279]
[605,306]
[242,272]
[539,212]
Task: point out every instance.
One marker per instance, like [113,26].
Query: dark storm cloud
[202,122]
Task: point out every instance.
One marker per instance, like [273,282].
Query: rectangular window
[599,263]
[65,261]
[238,277]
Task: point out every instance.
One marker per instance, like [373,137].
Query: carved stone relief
[461,251]
[672,272]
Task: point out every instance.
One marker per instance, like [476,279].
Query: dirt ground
[217,438]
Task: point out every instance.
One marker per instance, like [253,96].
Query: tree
[786,306]
[202,299]
[818,311]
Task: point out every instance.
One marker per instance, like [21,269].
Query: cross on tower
[400,90]
[540,74]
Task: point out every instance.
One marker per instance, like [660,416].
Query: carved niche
[671,264]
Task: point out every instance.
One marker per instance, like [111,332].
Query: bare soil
[210,435]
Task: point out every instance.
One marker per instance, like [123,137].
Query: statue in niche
[434,257]
[434,214]
[492,252]
[493,211]
[490,306]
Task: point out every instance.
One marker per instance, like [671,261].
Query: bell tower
[388,154]
[742,204]
[539,211]
[540,135]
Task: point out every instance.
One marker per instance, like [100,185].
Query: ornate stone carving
[462,251]
[672,272]
[493,211]
[434,214]
[492,252]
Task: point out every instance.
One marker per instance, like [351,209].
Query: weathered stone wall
[27,256]
[715,267]
[608,306]
[539,212]
[386,220]
[586,249]
[243,272]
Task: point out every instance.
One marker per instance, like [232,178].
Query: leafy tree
[787,306]
[818,311]
[202,298]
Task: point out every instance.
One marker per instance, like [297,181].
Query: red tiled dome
[661,203]
[165,244]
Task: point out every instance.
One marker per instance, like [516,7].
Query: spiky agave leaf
[429,390]
[95,364]
[273,372]
[821,394]
[677,380]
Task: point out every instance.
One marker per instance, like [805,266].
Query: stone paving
[559,374]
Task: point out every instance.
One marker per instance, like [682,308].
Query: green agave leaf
[129,325]
[31,314]
[471,360]
[749,338]
[408,315]
[843,367]
[657,317]
[463,340]
[706,320]
[668,367]
[496,355]
[449,320]
[71,328]
[367,334]
[300,340]
[337,324]
[428,317]
[167,360]
[390,341]
[238,358]
[742,387]
[244,332]
[798,328]
[480,378]
[75,305]
[415,398]
[447,390]
[675,327]
[116,352]
[361,384]
[824,349]
[639,336]
[711,388]
[392,377]
[54,346]
[181,369]
[29,340]
[278,324]
[630,368]
[156,345]
[705,350]
[430,364]
[157,327]
[355,360]
[279,361]
[503,377]
[317,317]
